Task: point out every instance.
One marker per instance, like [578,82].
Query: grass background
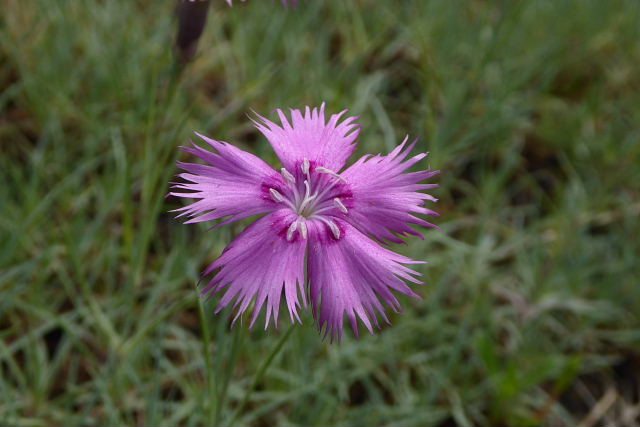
[531,310]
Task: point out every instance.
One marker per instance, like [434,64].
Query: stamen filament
[340,205]
[326,190]
[305,166]
[308,198]
[326,208]
[332,225]
[330,172]
[276,195]
[288,176]
[292,229]
[309,201]
[303,229]
[307,189]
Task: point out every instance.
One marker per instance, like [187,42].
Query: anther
[334,228]
[303,229]
[292,229]
[330,172]
[340,205]
[276,195]
[305,166]
[288,176]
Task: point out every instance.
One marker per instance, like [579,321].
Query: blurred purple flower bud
[192,17]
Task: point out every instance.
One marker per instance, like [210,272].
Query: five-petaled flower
[323,228]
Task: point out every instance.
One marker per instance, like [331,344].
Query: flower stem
[263,368]
[210,378]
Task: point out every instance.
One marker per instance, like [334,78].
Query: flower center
[312,193]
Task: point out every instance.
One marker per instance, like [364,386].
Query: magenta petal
[385,198]
[308,136]
[349,275]
[232,186]
[258,266]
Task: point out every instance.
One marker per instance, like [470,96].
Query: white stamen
[276,195]
[330,172]
[303,229]
[292,229]
[340,205]
[307,187]
[288,176]
[308,198]
[332,225]
[334,228]
[305,166]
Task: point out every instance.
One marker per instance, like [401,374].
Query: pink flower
[318,220]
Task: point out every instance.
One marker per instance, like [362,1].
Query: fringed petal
[384,198]
[349,275]
[235,184]
[309,136]
[258,266]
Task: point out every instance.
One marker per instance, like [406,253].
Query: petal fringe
[309,136]
[385,198]
[350,275]
[258,266]
[232,185]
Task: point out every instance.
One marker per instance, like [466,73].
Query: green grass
[531,310]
